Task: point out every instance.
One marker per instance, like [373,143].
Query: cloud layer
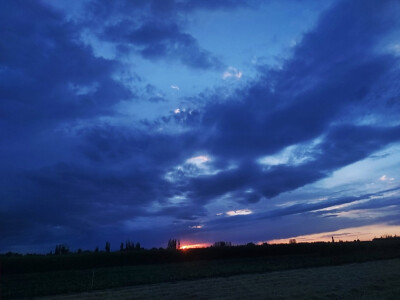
[75,170]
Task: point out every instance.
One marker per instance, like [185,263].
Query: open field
[40,275]
[58,282]
[370,280]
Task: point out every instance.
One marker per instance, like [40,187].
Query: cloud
[159,40]
[239,212]
[395,48]
[215,5]
[84,172]
[152,94]
[385,178]
[47,75]
[196,226]
[232,72]
[198,160]
[309,212]
[151,29]
[312,92]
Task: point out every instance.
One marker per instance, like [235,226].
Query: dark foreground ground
[370,280]
[302,270]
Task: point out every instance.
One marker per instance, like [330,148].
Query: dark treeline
[133,254]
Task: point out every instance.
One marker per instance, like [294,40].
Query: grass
[73,281]
[40,275]
[370,280]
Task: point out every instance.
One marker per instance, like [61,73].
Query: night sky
[242,121]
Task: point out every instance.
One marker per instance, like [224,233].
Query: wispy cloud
[232,72]
[239,212]
[385,178]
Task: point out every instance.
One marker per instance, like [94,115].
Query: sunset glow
[193,246]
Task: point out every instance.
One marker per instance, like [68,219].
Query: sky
[204,121]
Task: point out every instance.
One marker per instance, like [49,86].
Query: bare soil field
[369,280]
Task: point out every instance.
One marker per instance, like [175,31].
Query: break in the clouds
[132,120]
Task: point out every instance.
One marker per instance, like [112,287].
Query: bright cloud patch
[192,167]
[385,178]
[177,199]
[232,72]
[198,160]
[239,212]
[175,87]
[292,155]
[197,226]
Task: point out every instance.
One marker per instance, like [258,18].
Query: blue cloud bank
[88,156]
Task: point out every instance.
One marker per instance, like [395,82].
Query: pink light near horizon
[363,233]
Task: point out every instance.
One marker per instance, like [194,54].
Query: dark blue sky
[197,120]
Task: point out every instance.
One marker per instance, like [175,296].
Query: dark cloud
[165,8]
[330,74]
[307,210]
[47,74]
[69,172]
[214,5]
[334,68]
[310,207]
[342,146]
[155,40]
[157,31]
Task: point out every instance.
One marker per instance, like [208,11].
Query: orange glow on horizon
[193,246]
[363,233]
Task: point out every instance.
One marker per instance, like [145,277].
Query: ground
[369,280]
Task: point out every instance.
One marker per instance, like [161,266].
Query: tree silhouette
[61,249]
[108,247]
[129,246]
[174,244]
[222,244]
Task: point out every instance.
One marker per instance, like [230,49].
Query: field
[371,280]
[45,275]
